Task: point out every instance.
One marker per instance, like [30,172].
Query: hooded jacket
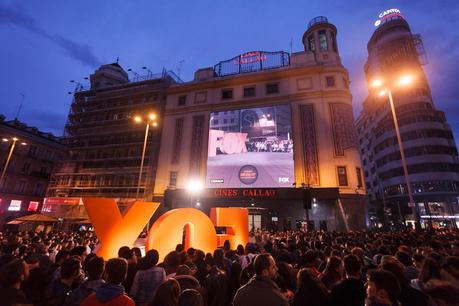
[108,295]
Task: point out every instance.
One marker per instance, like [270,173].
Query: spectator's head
[61,256]
[167,293]
[179,248]
[382,287]
[79,251]
[137,252]
[95,268]
[116,270]
[171,262]
[265,266]
[397,270]
[334,264]
[352,265]
[183,270]
[13,273]
[240,249]
[149,261]
[129,255]
[70,268]
[429,270]
[310,257]
[404,258]
[122,250]
[190,297]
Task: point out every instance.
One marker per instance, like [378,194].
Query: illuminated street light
[194,187]
[403,81]
[149,120]
[13,145]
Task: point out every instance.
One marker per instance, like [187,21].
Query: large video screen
[250,147]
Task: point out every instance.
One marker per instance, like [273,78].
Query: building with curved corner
[270,131]
[429,146]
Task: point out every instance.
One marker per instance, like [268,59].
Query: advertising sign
[251,148]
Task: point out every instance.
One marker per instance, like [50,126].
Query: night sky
[45,44]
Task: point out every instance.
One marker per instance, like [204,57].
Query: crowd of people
[274,268]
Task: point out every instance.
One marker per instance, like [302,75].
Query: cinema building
[270,131]
[430,150]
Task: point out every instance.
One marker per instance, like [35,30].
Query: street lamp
[386,90]
[194,187]
[149,120]
[13,145]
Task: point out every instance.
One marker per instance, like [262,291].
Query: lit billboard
[250,147]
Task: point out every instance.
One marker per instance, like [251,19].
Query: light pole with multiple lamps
[13,145]
[150,120]
[386,89]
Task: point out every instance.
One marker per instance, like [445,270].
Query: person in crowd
[333,272]
[351,290]
[112,292]
[167,294]
[95,270]
[409,270]
[408,295]
[310,291]
[131,258]
[70,275]
[147,279]
[261,289]
[309,260]
[12,274]
[383,288]
[191,297]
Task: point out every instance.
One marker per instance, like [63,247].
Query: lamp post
[13,145]
[150,120]
[194,187]
[403,81]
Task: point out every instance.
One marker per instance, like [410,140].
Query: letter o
[167,231]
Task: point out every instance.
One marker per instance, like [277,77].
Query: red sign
[246,193]
[250,57]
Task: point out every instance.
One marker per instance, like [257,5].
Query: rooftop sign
[252,61]
[388,15]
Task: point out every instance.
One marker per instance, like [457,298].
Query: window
[20,187]
[330,80]
[232,120]
[311,43]
[227,94]
[181,100]
[359,177]
[173,179]
[39,189]
[32,151]
[26,168]
[215,121]
[225,121]
[342,176]
[272,88]
[249,92]
[323,40]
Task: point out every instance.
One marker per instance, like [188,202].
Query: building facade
[30,163]
[105,144]
[269,131]
[429,146]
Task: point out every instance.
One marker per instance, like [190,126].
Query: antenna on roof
[20,106]
[291,46]
[179,67]
[117,59]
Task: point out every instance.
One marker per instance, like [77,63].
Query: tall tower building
[430,150]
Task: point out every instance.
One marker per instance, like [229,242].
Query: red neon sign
[250,57]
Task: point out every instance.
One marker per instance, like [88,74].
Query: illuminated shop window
[15,205]
[33,206]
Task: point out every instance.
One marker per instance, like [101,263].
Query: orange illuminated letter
[236,221]
[167,231]
[114,230]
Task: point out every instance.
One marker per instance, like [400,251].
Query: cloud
[80,52]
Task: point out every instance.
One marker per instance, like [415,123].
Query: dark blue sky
[44,44]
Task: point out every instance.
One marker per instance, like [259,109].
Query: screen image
[250,147]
